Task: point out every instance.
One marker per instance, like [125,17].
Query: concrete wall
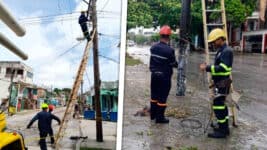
[5,79]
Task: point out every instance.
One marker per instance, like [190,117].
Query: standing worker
[83,23]
[44,123]
[220,72]
[162,61]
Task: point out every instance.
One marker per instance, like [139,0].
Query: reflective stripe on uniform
[213,73]
[225,67]
[153,101]
[161,57]
[162,104]
[223,120]
[218,107]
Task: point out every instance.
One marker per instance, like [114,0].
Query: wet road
[20,121]
[249,75]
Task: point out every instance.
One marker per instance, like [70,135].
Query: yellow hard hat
[215,34]
[44,105]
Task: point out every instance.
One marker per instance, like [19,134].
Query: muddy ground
[250,77]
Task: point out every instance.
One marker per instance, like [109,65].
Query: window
[29,74]
[20,72]
[9,72]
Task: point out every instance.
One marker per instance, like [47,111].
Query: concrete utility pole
[184,47]
[99,130]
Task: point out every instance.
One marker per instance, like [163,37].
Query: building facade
[22,85]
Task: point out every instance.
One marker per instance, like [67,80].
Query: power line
[108,58]
[68,13]
[60,55]
[105,5]
[68,50]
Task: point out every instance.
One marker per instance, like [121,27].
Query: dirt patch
[177,112]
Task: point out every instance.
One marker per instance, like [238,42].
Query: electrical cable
[108,58]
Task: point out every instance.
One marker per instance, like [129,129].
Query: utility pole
[184,47]
[99,130]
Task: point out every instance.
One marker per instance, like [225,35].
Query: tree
[139,14]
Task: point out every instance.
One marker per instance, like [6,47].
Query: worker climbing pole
[184,47]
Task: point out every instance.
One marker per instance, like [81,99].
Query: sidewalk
[88,128]
[109,134]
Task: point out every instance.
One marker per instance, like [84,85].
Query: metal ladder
[206,11]
[73,95]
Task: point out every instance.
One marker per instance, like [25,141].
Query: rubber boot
[160,115]
[221,132]
[217,134]
[153,110]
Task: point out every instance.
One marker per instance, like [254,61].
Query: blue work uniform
[83,23]
[162,61]
[220,72]
[44,125]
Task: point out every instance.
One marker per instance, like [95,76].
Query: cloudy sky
[51,32]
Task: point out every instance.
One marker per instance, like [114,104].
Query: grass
[130,61]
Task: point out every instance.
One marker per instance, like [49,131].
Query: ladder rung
[213,10]
[215,24]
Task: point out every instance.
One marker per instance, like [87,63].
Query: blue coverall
[221,71]
[44,125]
[162,61]
[83,23]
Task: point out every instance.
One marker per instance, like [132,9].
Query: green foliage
[57,91]
[170,13]
[150,13]
[155,37]
[235,12]
[138,14]
[140,39]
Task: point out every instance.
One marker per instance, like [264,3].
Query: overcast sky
[52,28]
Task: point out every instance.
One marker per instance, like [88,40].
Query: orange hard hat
[165,30]
[51,107]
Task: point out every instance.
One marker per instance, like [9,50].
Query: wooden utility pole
[99,130]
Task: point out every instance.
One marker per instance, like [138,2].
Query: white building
[144,31]
[22,74]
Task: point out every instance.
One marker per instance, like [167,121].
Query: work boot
[217,134]
[52,140]
[153,110]
[226,131]
[160,115]
[162,120]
